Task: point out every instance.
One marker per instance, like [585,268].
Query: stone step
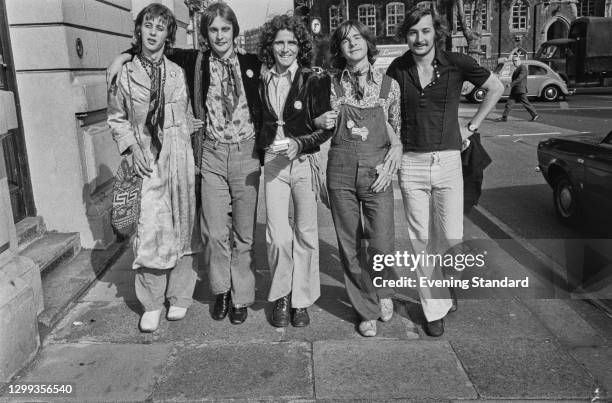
[65,284]
[29,230]
[52,249]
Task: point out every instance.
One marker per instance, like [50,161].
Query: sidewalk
[493,348]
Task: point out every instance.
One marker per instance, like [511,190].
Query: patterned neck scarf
[155,115]
[230,86]
[358,90]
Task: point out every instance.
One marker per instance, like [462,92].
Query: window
[586,8]
[519,14]
[536,70]
[366,14]
[335,18]
[395,17]
[469,15]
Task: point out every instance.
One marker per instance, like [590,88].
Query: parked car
[579,170]
[542,82]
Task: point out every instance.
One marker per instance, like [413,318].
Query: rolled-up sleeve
[117,115]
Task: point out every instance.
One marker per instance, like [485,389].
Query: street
[513,191]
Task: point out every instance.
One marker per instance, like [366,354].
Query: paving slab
[117,322]
[116,285]
[486,319]
[597,361]
[100,372]
[522,369]
[386,369]
[565,323]
[254,371]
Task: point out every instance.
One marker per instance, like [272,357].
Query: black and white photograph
[305,200]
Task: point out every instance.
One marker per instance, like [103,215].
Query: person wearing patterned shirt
[224,89]
[431,178]
[364,155]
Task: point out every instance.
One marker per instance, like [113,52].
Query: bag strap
[338,87]
[385,87]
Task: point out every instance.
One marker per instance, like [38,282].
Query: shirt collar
[370,74]
[290,71]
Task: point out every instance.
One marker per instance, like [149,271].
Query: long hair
[151,12]
[338,60]
[215,10]
[292,24]
[414,15]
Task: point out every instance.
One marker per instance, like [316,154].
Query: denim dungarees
[359,144]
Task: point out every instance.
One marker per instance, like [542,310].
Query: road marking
[527,134]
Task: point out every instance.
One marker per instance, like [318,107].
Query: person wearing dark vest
[289,139]
[518,91]
[430,173]
[224,89]
[364,155]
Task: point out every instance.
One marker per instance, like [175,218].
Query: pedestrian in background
[289,139]
[151,120]
[364,155]
[224,87]
[431,173]
[518,91]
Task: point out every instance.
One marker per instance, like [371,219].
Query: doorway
[13,144]
[556,30]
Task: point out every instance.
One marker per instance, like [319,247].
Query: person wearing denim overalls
[360,167]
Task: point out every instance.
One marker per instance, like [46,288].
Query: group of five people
[244,111]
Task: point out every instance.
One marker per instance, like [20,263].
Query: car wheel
[551,93]
[566,202]
[478,95]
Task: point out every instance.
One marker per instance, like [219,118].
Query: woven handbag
[127,189]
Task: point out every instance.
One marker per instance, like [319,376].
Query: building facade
[57,155]
[507,25]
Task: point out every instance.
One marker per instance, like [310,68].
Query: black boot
[221,306]
[280,313]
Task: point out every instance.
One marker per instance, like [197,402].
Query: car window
[537,71]
[506,70]
[548,52]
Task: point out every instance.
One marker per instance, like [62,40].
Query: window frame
[337,18]
[484,16]
[360,18]
[393,6]
[515,13]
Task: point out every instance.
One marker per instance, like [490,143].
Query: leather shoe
[221,306]
[280,313]
[453,295]
[535,117]
[238,315]
[435,328]
[300,317]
